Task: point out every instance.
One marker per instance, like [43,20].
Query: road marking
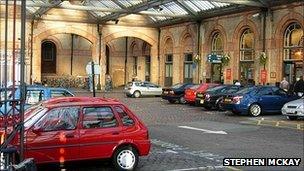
[203,130]
[207,168]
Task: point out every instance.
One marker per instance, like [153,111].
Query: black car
[211,98]
[176,92]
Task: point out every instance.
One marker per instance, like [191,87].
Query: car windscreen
[194,87]
[245,90]
[176,86]
[129,84]
[215,88]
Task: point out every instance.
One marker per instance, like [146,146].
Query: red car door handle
[115,133]
[69,136]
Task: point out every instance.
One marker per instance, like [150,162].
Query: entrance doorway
[293,70]
[48,57]
[216,72]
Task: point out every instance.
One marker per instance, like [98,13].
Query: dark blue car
[257,100]
[176,92]
[34,94]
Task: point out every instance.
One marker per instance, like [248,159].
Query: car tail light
[237,99]
[207,97]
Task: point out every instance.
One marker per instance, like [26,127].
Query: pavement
[186,137]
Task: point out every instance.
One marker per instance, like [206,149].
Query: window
[247,46]
[135,65]
[293,42]
[217,44]
[98,117]
[168,69]
[188,69]
[265,91]
[58,93]
[278,91]
[48,57]
[147,68]
[125,118]
[59,119]
[33,96]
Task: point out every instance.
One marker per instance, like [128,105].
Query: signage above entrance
[214,58]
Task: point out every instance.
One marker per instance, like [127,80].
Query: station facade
[257,47]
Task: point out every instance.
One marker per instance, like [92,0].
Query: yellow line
[233,168]
[298,126]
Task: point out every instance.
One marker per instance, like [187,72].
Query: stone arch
[36,67]
[217,29]
[130,33]
[282,25]
[140,35]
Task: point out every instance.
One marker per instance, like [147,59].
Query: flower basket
[197,59]
[226,59]
[263,58]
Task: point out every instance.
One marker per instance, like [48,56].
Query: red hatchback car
[190,93]
[81,128]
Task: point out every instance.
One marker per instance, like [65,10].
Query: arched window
[217,44]
[217,49]
[48,57]
[247,46]
[247,57]
[293,42]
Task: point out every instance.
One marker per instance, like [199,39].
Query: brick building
[61,42]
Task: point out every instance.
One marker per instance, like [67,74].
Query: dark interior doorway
[48,57]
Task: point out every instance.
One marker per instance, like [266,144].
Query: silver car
[138,89]
[294,109]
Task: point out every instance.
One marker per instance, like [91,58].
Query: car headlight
[301,106]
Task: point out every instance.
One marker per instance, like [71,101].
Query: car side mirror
[37,130]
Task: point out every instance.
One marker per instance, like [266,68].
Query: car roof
[79,101]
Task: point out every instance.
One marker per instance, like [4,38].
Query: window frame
[288,48]
[243,49]
[128,112]
[118,123]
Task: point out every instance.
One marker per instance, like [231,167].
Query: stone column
[154,64]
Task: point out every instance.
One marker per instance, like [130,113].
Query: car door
[154,89]
[266,98]
[281,98]
[54,137]
[100,132]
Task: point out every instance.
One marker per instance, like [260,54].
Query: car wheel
[255,110]
[219,105]
[182,100]
[125,158]
[136,94]
[171,101]
[292,117]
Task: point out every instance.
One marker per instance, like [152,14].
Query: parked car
[73,129]
[176,92]
[213,97]
[137,89]
[257,100]
[294,109]
[33,95]
[190,93]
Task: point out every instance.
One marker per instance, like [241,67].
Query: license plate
[165,92]
[199,95]
[201,101]
[227,100]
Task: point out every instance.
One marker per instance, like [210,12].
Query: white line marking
[203,130]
